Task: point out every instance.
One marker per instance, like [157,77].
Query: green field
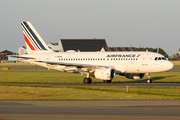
[176,63]
[44,92]
[51,76]
[40,92]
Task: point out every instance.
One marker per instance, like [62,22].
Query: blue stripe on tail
[36,38]
[31,39]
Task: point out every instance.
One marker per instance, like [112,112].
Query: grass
[176,63]
[34,92]
[175,67]
[44,92]
[18,65]
[15,64]
[51,76]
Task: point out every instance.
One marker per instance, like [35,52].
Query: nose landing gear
[149,78]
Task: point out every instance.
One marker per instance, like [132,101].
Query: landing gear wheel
[87,80]
[107,81]
[90,80]
[149,78]
[149,81]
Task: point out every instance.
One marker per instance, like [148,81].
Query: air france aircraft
[101,65]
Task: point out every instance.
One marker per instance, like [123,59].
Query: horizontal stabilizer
[25,57]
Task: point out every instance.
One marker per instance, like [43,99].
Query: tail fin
[34,42]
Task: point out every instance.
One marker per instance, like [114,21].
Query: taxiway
[96,110]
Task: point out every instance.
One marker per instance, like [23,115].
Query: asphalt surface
[88,110]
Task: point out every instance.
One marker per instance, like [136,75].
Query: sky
[123,23]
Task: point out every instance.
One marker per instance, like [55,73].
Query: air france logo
[123,55]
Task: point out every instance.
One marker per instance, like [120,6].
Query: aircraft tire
[87,80]
[90,80]
[107,81]
[149,81]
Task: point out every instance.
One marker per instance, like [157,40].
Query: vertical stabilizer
[33,40]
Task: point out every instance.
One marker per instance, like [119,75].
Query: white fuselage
[122,62]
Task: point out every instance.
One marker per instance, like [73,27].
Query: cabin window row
[100,59]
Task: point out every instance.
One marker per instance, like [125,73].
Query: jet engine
[134,75]
[104,74]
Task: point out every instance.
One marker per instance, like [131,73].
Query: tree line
[161,51]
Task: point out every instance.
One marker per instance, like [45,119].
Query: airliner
[101,65]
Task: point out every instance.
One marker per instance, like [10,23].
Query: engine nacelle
[134,75]
[104,74]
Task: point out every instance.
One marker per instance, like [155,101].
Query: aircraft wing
[75,64]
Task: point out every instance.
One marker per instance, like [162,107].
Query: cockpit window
[163,58]
[160,58]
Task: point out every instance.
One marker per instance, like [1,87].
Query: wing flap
[75,64]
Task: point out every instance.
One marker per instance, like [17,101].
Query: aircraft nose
[169,65]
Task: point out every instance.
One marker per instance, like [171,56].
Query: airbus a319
[101,65]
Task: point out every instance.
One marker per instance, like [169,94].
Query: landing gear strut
[149,78]
[87,80]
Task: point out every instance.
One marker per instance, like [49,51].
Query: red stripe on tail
[29,44]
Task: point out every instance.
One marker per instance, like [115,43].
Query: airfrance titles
[121,55]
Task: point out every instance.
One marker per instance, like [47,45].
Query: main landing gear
[149,78]
[87,80]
